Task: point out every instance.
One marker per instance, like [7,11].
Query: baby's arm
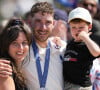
[91,45]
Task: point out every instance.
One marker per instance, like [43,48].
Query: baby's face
[76,28]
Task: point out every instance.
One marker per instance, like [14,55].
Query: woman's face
[18,49]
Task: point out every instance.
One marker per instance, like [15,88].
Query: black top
[77,64]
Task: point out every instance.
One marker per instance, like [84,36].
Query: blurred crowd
[20,8]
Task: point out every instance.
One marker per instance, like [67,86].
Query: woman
[15,40]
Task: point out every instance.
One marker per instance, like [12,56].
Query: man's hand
[58,41]
[5,68]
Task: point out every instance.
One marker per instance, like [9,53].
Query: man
[91,5]
[44,70]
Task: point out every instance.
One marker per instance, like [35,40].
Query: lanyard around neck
[42,77]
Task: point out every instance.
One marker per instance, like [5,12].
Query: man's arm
[7,83]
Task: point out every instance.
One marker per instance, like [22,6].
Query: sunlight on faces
[42,25]
[18,49]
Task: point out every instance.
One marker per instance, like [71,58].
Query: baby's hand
[83,35]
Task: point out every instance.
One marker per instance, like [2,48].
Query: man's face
[90,5]
[42,25]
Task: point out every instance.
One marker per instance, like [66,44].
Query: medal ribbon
[42,78]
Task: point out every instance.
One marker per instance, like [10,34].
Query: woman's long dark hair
[8,35]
